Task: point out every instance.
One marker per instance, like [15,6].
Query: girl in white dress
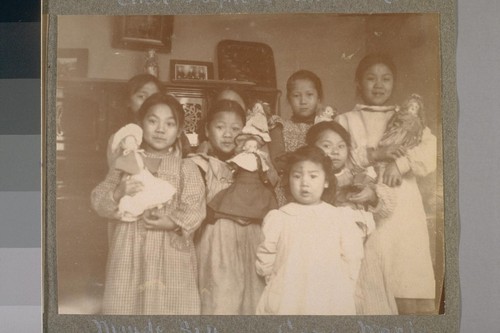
[400,243]
[311,253]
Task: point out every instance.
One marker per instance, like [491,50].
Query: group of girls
[327,249]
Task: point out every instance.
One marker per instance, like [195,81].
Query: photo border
[449,322]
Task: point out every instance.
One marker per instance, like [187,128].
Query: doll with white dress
[129,159]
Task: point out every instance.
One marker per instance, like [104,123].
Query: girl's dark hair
[138,81]
[315,155]
[225,105]
[374,59]
[170,101]
[315,131]
[304,75]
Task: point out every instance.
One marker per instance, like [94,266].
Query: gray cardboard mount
[448,322]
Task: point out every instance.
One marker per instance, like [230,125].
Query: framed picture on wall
[195,105]
[141,32]
[72,63]
[181,70]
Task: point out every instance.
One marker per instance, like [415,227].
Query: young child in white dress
[312,251]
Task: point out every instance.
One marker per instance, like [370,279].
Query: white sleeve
[266,252]
[422,159]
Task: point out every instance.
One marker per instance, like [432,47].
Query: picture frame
[72,63]
[186,70]
[194,101]
[142,32]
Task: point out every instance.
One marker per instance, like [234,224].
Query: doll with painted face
[155,191]
[251,195]
[406,126]
[404,129]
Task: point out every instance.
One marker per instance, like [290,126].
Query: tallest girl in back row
[399,248]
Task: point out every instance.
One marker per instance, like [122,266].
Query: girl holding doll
[139,88]
[357,188]
[401,240]
[151,266]
[311,252]
[226,244]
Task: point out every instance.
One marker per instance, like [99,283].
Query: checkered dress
[146,273]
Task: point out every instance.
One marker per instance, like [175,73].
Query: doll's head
[414,106]
[162,121]
[304,93]
[251,146]
[130,143]
[127,138]
[309,177]
[375,77]
[333,139]
[248,143]
[139,88]
[225,121]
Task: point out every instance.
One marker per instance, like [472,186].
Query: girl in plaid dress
[151,265]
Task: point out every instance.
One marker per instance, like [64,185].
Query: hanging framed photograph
[142,32]
[72,63]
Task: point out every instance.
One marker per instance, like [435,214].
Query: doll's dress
[403,129]
[155,193]
[249,197]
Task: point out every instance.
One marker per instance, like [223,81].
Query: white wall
[315,42]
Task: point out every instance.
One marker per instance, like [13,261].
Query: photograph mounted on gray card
[299,171]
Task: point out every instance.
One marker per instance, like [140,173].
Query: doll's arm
[110,154]
[386,201]
[266,252]
[191,208]
[277,144]
[422,159]
[101,198]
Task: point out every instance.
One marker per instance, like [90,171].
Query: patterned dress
[398,254]
[228,282]
[148,271]
[287,135]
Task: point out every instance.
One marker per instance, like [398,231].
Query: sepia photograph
[292,164]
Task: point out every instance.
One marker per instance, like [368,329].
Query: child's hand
[153,221]
[366,195]
[127,186]
[392,175]
[387,153]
